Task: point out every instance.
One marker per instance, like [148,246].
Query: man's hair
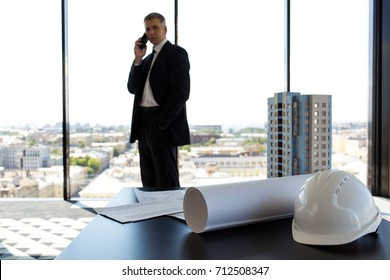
[151,16]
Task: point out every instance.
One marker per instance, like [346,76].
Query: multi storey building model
[299,137]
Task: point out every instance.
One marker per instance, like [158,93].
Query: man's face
[155,30]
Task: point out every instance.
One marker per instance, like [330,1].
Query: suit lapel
[161,53]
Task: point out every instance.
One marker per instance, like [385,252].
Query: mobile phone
[144,40]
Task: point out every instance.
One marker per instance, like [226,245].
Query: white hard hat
[334,207]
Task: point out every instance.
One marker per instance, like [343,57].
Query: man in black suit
[161,85]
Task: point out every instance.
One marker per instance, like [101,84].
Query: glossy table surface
[168,238]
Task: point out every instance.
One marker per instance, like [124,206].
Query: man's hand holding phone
[140,48]
[144,40]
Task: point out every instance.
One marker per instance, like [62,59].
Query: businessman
[160,83]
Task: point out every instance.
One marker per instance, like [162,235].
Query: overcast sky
[236,51]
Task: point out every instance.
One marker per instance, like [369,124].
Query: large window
[31,110]
[236,51]
[330,56]
[101,40]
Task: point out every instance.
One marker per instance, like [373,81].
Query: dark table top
[168,238]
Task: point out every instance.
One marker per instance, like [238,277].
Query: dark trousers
[158,159]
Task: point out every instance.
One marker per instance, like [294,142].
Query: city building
[206,128]
[299,137]
[24,158]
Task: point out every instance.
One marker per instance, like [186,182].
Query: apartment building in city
[21,157]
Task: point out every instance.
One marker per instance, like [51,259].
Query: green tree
[32,143]
[116,152]
[186,148]
[94,166]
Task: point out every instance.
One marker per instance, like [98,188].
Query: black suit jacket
[170,83]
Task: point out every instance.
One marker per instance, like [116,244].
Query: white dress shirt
[148,97]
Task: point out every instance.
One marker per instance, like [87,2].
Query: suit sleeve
[133,80]
[179,87]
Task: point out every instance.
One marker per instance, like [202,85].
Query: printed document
[151,205]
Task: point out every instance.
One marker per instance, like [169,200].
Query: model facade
[299,134]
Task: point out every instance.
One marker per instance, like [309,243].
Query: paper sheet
[141,211]
[177,195]
[220,206]
[151,205]
[147,196]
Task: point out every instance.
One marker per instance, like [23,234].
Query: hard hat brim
[335,239]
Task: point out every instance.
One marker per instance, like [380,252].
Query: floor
[31,229]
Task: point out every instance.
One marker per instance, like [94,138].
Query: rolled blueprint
[221,206]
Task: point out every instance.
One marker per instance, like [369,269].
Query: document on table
[151,205]
[147,196]
[141,211]
[177,195]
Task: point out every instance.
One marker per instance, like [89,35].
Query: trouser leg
[158,159]
[148,174]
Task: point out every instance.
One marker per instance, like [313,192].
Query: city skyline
[212,159]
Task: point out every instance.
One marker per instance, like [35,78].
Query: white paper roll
[215,207]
